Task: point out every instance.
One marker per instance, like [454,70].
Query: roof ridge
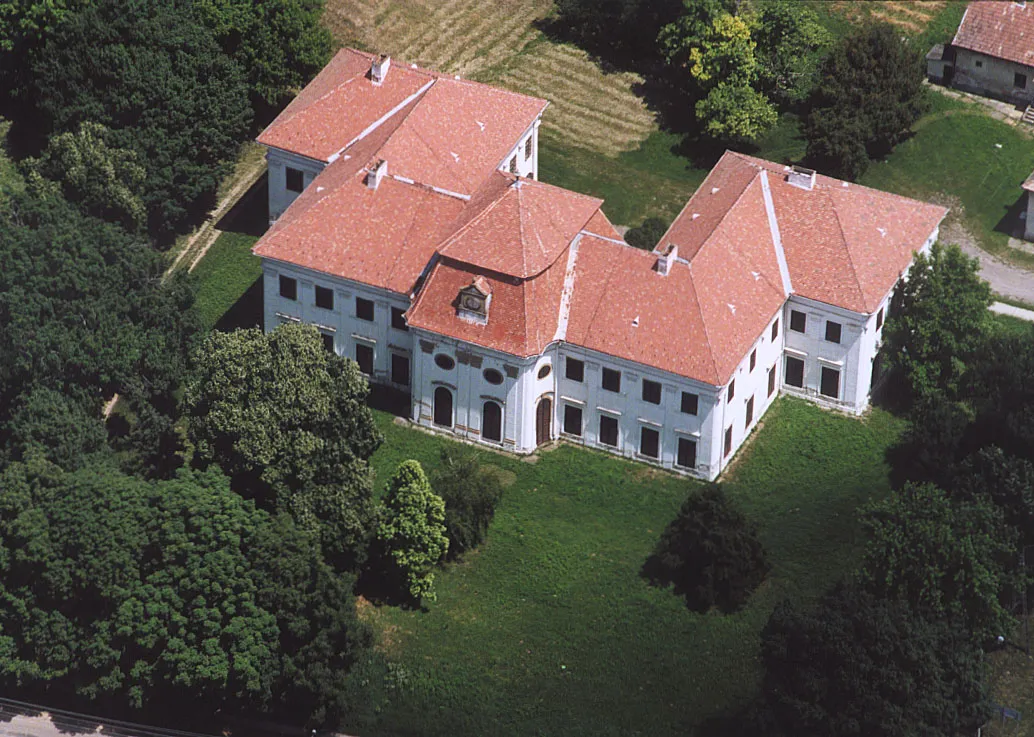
[721,220]
[546,185]
[520,225]
[847,249]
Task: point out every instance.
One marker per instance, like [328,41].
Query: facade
[513,313]
[992,53]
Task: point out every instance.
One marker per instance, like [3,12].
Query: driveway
[1005,279]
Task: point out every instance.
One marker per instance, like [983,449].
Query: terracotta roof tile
[601,225]
[999,28]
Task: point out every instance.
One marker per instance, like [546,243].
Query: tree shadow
[389,399]
[659,575]
[1013,222]
[246,312]
[379,584]
[250,215]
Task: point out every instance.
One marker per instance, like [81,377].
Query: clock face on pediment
[472,302]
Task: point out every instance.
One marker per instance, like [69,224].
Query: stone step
[1028,115]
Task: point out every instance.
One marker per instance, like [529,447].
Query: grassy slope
[224,275]
[550,630]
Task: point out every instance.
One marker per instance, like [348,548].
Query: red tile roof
[522,229]
[999,28]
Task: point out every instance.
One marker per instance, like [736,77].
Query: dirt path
[1005,279]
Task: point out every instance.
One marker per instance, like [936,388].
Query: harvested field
[911,16]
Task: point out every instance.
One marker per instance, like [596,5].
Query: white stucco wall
[994,78]
[278,161]
[527,166]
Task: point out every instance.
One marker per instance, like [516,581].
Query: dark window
[364,309]
[649,442]
[1019,81]
[492,422]
[775,329]
[544,371]
[879,319]
[575,369]
[830,386]
[513,165]
[771,380]
[400,369]
[527,148]
[832,331]
[732,389]
[398,319]
[611,380]
[288,287]
[979,63]
[798,321]
[690,403]
[651,392]
[750,413]
[442,411]
[444,362]
[295,180]
[753,359]
[493,377]
[687,455]
[364,357]
[794,372]
[728,440]
[325,298]
[572,420]
[609,431]
[328,341]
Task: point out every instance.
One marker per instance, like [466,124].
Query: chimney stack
[379,69]
[666,259]
[801,177]
[376,174]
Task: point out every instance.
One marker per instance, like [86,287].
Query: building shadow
[1013,222]
[246,312]
[390,400]
[250,215]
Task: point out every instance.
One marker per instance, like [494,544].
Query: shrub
[710,553]
[648,234]
[470,493]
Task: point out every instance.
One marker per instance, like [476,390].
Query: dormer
[802,177]
[379,69]
[474,300]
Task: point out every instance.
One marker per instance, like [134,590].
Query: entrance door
[442,407]
[544,421]
[492,422]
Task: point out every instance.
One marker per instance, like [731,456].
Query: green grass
[549,629]
[1009,325]
[953,159]
[224,275]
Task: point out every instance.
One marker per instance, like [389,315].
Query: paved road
[1003,309]
[1005,279]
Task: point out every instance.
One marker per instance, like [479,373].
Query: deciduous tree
[470,493]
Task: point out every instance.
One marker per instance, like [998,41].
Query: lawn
[225,273]
[549,629]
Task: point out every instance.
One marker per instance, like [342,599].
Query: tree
[938,319]
[1005,481]
[736,113]
[58,427]
[647,235]
[710,553]
[412,530]
[471,493]
[862,664]
[998,383]
[174,592]
[620,30]
[937,438]
[945,557]
[288,422]
[157,78]
[869,95]
[103,181]
[790,46]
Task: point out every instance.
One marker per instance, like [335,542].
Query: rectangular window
[879,319]
[575,369]
[753,359]
[832,331]
[295,180]
[400,369]
[687,454]
[690,403]
[771,380]
[609,431]
[572,420]
[364,309]
[398,319]
[830,386]
[364,357]
[794,372]
[750,413]
[611,380]
[732,389]
[979,63]
[527,147]
[651,392]
[728,440]
[328,341]
[324,298]
[288,287]
[1019,81]
[775,329]
[649,442]
[798,321]
[513,164]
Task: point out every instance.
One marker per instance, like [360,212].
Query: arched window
[442,407]
[492,422]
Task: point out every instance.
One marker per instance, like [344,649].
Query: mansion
[408,224]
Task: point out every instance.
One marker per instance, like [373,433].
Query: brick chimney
[376,173]
[379,69]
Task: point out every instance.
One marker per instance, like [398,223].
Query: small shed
[1028,227]
[940,64]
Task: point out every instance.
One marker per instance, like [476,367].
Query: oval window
[444,362]
[544,371]
[493,377]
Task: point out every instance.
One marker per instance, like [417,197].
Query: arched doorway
[442,407]
[492,422]
[544,421]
